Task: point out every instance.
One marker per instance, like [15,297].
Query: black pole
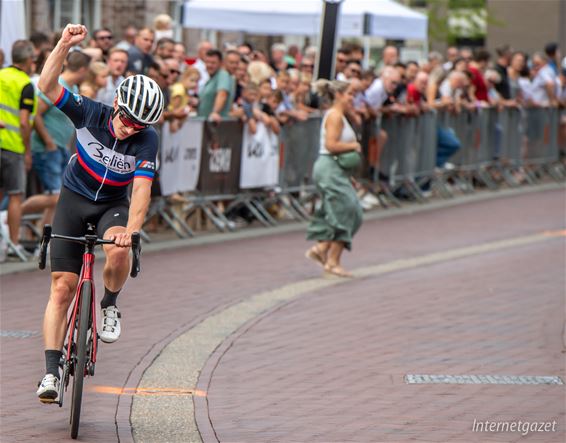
[327,40]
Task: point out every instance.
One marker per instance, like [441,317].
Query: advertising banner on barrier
[260,158]
[220,162]
[180,157]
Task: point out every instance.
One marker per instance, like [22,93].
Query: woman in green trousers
[340,214]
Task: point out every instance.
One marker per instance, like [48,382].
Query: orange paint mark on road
[561,233]
[114,390]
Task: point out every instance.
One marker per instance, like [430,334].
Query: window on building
[69,12]
[76,11]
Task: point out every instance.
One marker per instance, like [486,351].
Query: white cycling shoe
[48,389]
[110,331]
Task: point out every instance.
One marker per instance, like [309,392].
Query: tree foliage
[450,19]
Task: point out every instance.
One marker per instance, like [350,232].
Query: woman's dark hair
[41,59]
[456,61]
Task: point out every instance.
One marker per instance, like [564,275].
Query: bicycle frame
[86,275]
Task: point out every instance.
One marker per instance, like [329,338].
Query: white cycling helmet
[141,98]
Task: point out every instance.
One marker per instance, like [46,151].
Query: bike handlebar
[89,239]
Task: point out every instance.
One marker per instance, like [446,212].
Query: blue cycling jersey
[103,166]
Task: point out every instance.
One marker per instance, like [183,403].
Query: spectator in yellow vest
[17,107]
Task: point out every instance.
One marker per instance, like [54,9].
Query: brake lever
[43,246]
[136,250]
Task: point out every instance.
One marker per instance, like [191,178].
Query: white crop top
[348,135]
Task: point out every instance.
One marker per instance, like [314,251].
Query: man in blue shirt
[553,53]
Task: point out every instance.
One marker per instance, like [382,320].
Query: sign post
[328,36]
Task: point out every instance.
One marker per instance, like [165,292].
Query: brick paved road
[182,286]
[330,366]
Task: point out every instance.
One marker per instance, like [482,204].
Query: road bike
[79,350]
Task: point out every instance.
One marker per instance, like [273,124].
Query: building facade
[50,15]
[527,25]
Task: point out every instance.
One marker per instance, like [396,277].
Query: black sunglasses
[105,37]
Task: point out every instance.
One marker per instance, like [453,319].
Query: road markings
[483,379]
[555,233]
[19,334]
[115,390]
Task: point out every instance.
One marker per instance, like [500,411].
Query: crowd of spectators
[216,84]
[276,88]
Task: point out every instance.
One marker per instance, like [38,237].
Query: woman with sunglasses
[115,147]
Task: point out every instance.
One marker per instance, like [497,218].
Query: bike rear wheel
[83,324]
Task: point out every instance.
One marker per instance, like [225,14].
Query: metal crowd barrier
[542,154]
[496,147]
[299,147]
[510,160]
[410,153]
[476,131]
[203,162]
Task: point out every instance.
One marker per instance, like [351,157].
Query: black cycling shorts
[72,214]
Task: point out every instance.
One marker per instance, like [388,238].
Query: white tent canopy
[386,18]
[12,26]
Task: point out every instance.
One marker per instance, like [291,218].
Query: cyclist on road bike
[115,147]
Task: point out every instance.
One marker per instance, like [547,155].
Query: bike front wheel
[82,326]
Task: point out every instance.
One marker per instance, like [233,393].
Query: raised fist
[73,34]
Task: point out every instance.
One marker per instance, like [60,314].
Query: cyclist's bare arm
[49,78]
[141,197]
